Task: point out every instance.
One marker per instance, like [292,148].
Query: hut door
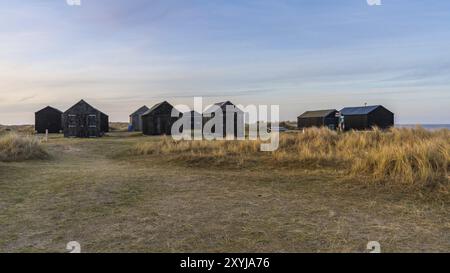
[72,127]
[92,125]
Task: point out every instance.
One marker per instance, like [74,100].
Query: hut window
[92,121]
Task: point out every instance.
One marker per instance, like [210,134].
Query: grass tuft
[14,147]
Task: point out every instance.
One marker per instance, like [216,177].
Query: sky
[300,54]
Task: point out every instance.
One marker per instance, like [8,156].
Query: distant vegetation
[408,157]
[118,126]
[23,129]
[14,147]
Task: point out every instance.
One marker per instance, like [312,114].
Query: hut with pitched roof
[48,118]
[84,121]
[318,118]
[367,117]
[136,118]
[226,109]
[158,120]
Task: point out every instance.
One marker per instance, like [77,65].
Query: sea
[430,127]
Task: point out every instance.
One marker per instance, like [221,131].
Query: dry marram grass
[414,157]
[14,147]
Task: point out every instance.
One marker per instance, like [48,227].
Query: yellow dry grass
[407,157]
[14,147]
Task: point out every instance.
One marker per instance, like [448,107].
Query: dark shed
[222,107]
[49,119]
[367,117]
[158,120]
[83,120]
[196,119]
[136,118]
[320,118]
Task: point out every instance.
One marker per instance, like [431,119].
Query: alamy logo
[73,247]
[73,2]
[374,247]
[374,2]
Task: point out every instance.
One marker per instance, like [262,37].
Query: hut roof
[156,106]
[49,108]
[78,103]
[317,113]
[221,105]
[84,102]
[140,111]
[363,110]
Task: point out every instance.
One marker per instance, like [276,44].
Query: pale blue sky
[300,54]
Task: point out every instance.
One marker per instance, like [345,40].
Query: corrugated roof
[317,113]
[363,110]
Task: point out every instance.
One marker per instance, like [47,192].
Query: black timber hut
[136,118]
[320,118]
[158,120]
[49,119]
[196,120]
[223,108]
[83,120]
[367,117]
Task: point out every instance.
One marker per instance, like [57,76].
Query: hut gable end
[48,119]
[237,124]
[158,120]
[82,107]
[136,118]
[83,120]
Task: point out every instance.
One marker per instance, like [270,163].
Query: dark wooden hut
[158,120]
[196,119]
[320,118]
[49,119]
[223,108]
[83,120]
[367,117]
[136,118]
